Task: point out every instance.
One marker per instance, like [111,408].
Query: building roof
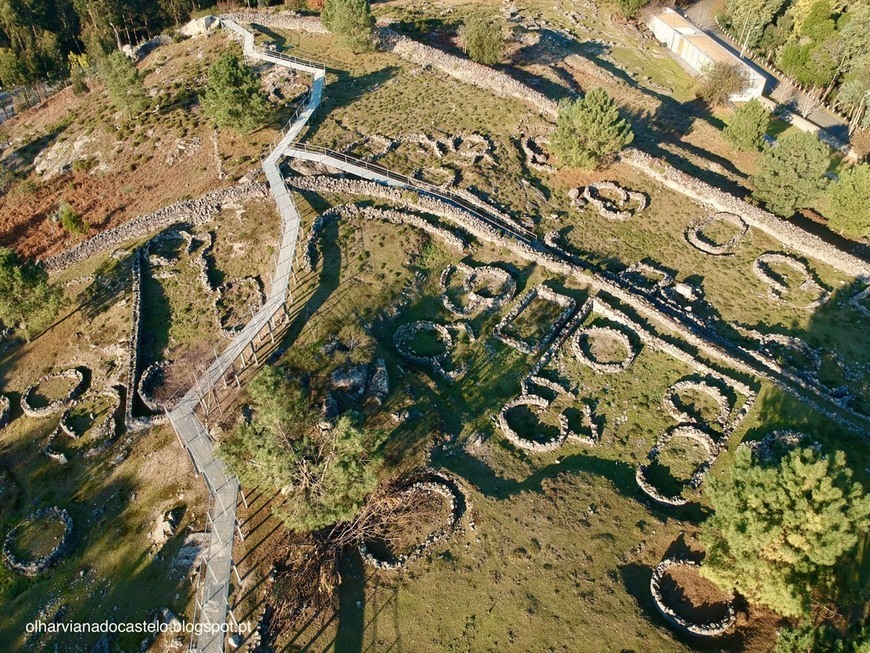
[698,38]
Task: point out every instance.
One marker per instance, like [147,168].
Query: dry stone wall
[60,404]
[783,231]
[198,211]
[46,562]
[680,623]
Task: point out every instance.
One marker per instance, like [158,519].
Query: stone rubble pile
[612,201]
[5,410]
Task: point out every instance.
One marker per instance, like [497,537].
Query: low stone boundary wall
[696,238]
[783,231]
[196,211]
[5,410]
[44,563]
[704,630]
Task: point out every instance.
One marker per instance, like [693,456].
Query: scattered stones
[59,404]
[695,234]
[704,630]
[379,384]
[535,157]
[777,443]
[45,562]
[105,432]
[776,284]
[860,301]
[5,411]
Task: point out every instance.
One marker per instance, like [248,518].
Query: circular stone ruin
[696,236]
[47,532]
[776,444]
[663,585]
[677,409]
[434,484]
[776,286]
[612,201]
[404,338]
[152,378]
[688,432]
[588,342]
[58,405]
[541,442]
[486,287]
[101,428]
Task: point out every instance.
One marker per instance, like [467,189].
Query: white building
[698,50]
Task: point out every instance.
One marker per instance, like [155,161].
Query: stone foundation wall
[35,567]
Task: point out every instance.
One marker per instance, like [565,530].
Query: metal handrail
[445,194]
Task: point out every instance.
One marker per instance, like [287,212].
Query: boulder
[199,26]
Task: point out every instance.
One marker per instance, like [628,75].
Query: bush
[484,40]
[352,20]
[26,298]
[748,126]
[791,174]
[849,202]
[590,131]
[720,81]
[71,220]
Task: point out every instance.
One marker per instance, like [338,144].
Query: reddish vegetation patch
[692,596]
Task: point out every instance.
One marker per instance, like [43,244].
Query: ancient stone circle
[581,341]
[695,234]
[404,336]
[707,386]
[612,200]
[59,404]
[105,432]
[776,289]
[43,563]
[703,629]
[504,285]
[689,432]
[435,483]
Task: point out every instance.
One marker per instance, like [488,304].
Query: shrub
[123,83]
[629,8]
[483,40]
[720,81]
[590,131]
[748,126]
[71,220]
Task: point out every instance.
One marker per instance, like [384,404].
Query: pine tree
[589,131]
[849,202]
[748,126]
[791,174]
[26,298]
[233,97]
[352,20]
[785,535]
[484,40]
[124,84]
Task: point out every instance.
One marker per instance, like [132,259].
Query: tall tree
[720,81]
[352,20]
[232,95]
[124,84]
[786,535]
[26,298]
[590,131]
[791,174]
[849,202]
[748,18]
[327,476]
[748,126]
